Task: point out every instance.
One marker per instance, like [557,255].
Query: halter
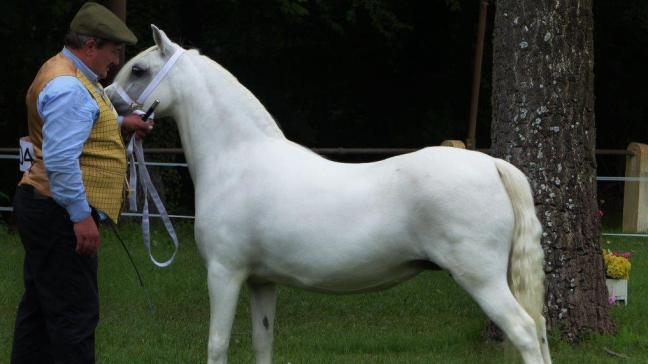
[155,82]
[136,156]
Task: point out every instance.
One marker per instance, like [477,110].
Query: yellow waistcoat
[103,159]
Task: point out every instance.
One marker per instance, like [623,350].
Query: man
[77,177]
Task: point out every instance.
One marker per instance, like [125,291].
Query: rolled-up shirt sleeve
[68,112]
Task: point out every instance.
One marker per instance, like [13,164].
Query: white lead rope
[136,156]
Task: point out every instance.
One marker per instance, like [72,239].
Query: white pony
[269,211]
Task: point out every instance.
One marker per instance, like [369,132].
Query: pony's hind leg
[499,304]
[224,287]
[544,340]
[263,300]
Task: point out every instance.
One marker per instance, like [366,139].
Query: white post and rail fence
[635,192]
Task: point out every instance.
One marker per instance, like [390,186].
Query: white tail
[526,273]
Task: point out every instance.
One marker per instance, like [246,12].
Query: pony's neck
[215,113]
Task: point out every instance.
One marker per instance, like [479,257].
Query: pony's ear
[164,44]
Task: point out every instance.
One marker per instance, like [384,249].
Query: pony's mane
[264,120]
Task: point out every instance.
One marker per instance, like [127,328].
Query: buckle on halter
[134,106]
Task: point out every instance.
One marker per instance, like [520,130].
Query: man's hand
[134,123]
[87,236]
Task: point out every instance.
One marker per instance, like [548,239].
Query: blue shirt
[68,112]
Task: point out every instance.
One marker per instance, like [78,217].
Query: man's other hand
[87,236]
[134,123]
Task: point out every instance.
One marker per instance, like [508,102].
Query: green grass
[426,320]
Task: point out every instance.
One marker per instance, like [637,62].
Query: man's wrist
[78,210]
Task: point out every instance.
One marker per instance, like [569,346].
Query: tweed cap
[97,21]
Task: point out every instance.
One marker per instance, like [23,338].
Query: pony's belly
[353,280]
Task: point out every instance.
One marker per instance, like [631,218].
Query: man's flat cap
[96,21]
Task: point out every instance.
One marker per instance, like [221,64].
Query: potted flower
[617,273]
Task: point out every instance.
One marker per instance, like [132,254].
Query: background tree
[543,122]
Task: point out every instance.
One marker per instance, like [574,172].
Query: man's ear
[90,46]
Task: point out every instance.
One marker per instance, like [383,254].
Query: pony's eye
[138,70]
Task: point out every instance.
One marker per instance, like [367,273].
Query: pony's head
[144,79]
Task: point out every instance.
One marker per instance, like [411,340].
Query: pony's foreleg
[263,299]
[224,287]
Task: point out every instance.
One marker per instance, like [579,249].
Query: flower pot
[617,288]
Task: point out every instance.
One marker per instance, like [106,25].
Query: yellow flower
[616,267]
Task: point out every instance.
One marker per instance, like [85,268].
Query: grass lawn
[426,320]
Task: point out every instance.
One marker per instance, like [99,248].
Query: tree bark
[543,122]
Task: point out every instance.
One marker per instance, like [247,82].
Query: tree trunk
[543,122]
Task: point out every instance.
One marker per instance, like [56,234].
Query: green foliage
[621,48]
[454,5]
[383,19]
[294,8]
[426,320]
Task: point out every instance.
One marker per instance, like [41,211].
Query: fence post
[454,143]
[635,194]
